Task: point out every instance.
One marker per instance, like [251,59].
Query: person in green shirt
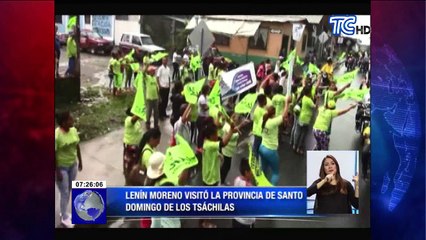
[117,69]
[229,150]
[323,123]
[278,102]
[152,90]
[131,139]
[258,113]
[293,116]
[184,72]
[150,140]
[268,148]
[128,60]
[71,53]
[332,93]
[67,151]
[211,161]
[305,117]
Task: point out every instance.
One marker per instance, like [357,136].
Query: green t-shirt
[116,66]
[324,119]
[214,113]
[66,146]
[151,87]
[268,102]
[147,152]
[211,162]
[270,133]
[132,132]
[231,147]
[184,73]
[306,111]
[329,95]
[257,120]
[278,101]
[71,48]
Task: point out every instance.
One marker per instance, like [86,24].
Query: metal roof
[314,19]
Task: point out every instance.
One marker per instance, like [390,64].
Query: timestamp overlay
[88,202]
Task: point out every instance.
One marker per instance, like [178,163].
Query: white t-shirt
[186,57]
[175,56]
[202,100]
[182,129]
[241,182]
[163,73]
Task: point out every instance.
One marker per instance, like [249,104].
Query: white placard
[298,29]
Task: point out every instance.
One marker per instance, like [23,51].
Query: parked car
[93,42]
[140,41]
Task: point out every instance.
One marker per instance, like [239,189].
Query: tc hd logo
[347,25]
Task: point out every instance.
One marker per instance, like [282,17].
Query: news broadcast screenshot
[309,120]
[213,121]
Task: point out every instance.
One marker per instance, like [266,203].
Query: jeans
[256,144]
[71,66]
[270,160]
[224,170]
[164,95]
[129,74]
[151,106]
[301,131]
[68,175]
[176,75]
[293,130]
[200,126]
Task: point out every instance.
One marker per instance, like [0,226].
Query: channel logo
[347,25]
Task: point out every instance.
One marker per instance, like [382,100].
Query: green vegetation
[97,118]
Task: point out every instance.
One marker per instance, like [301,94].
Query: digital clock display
[88,184]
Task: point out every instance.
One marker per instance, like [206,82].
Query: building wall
[238,46]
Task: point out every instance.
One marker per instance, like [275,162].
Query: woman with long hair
[67,151]
[132,137]
[334,194]
[268,149]
[150,140]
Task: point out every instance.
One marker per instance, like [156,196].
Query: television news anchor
[334,195]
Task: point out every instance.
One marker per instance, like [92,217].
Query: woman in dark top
[334,194]
[177,100]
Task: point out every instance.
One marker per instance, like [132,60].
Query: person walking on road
[67,151]
[164,79]
[71,53]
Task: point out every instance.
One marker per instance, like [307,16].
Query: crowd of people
[213,132]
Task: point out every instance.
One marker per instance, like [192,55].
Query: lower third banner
[206,201]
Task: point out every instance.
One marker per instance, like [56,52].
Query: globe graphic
[395,128]
[89,205]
